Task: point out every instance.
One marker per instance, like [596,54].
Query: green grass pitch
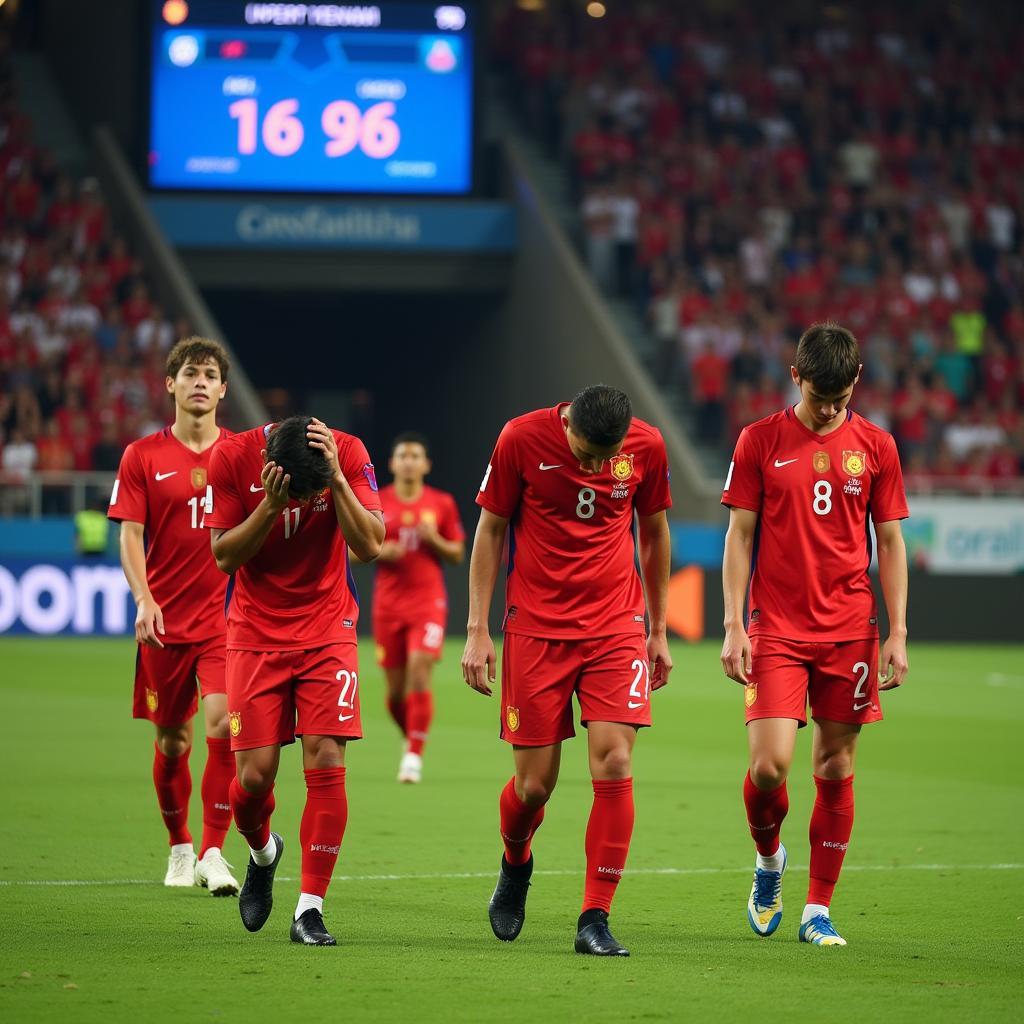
[930,900]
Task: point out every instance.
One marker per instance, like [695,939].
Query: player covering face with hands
[565,485]
[801,488]
[289,500]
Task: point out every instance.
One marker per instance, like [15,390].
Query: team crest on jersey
[235,722]
[821,462]
[512,718]
[408,518]
[854,463]
[750,694]
[320,501]
[152,701]
[428,515]
[199,478]
[622,467]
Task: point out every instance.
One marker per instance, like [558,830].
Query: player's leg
[833,752]
[419,704]
[389,638]
[844,696]
[775,702]
[328,715]
[261,716]
[609,831]
[212,871]
[165,694]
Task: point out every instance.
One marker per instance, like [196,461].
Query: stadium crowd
[82,339]
[742,175]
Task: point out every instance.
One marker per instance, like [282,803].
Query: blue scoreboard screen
[368,98]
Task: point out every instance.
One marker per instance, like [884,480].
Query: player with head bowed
[289,500]
[566,485]
[410,604]
[159,498]
[801,489]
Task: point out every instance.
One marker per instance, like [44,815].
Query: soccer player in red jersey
[159,498]
[566,484]
[288,502]
[410,604]
[801,488]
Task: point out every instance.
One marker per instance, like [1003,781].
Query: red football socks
[322,827]
[419,712]
[396,708]
[217,776]
[831,825]
[173,782]
[251,812]
[519,823]
[608,833]
[766,810]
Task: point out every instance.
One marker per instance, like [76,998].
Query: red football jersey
[572,555]
[296,592]
[164,485]
[416,578]
[814,493]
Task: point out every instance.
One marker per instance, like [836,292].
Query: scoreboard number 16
[375,132]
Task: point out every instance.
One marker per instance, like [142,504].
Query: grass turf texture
[938,784]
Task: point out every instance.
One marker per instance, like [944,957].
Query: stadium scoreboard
[290,97]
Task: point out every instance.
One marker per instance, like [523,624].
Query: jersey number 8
[822,503]
[585,506]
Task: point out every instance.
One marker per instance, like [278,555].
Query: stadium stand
[739,176]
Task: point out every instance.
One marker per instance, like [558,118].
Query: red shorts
[274,696]
[610,676]
[839,679]
[399,636]
[166,677]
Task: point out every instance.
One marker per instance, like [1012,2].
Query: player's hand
[320,436]
[736,658]
[660,659]
[275,485]
[479,661]
[149,621]
[391,551]
[894,664]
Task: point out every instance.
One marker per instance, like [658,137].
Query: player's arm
[739,544]
[655,565]
[233,547]
[362,529]
[452,551]
[892,572]
[149,618]
[479,659]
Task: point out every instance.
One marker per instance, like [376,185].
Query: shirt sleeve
[451,522]
[225,508]
[744,484]
[359,473]
[128,501]
[502,484]
[888,498]
[653,494]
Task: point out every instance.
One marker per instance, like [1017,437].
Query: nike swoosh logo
[164,476]
[345,718]
[542,466]
[254,488]
[633,706]
[861,707]
[779,465]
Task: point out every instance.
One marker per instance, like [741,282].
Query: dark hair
[411,437]
[827,357]
[197,350]
[288,446]
[601,414]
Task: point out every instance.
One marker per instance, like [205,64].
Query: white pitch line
[58,882]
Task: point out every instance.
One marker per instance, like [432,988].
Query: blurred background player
[800,489]
[288,502]
[159,498]
[566,484]
[410,604]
